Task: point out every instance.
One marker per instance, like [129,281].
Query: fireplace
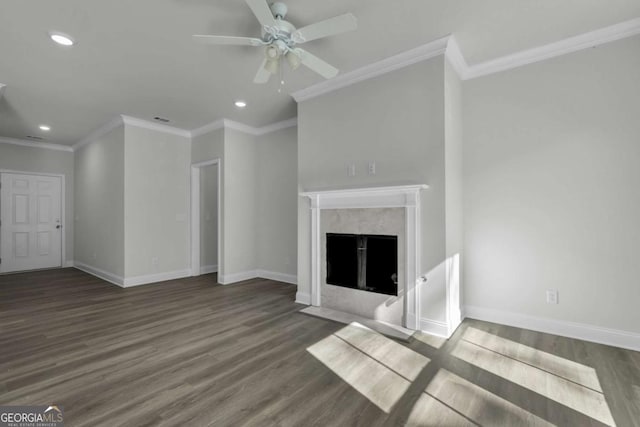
[386,216]
[366,262]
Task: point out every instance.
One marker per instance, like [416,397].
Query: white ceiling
[137,57]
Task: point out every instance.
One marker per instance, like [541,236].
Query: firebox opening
[366,262]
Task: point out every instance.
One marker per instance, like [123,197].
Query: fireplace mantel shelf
[392,196]
[351,191]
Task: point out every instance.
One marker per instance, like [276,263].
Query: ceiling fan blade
[228,40]
[328,27]
[262,11]
[262,76]
[316,64]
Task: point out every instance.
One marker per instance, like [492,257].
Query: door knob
[58,226]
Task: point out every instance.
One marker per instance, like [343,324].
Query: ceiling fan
[280,39]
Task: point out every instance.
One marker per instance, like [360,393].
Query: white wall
[453,104]
[209,216]
[396,120]
[551,174]
[156,202]
[240,227]
[99,204]
[277,195]
[209,146]
[38,160]
[258,201]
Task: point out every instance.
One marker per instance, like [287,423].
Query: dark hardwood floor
[192,352]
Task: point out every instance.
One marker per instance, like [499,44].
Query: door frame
[195,215]
[63,219]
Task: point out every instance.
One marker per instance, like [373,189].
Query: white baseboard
[434,327]
[278,277]
[68,263]
[303,298]
[227,279]
[131,281]
[104,275]
[209,269]
[154,278]
[597,334]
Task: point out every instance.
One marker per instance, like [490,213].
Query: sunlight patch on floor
[377,367]
[568,393]
[397,357]
[478,404]
[568,369]
[429,412]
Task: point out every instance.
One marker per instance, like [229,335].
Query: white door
[31,227]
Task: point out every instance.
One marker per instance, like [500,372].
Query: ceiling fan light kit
[272,66]
[280,39]
[294,60]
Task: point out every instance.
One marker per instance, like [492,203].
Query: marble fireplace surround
[404,196]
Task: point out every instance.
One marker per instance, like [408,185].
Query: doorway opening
[205,218]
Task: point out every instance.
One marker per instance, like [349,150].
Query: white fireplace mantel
[401,196]
[368,197]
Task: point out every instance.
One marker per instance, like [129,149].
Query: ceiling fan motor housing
[279,10]
[281,30]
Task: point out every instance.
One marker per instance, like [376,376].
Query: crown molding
[241,127]
[553,50]
[396,62]
[31,144]
[449,46]
[144,124]
[284,124]
[218,124]
[99,133]
[130,121]
[257,131]
[454,55]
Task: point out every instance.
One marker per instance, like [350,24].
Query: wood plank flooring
[192,352]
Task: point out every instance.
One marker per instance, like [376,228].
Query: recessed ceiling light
[45,128]
[62,39]
[241,104]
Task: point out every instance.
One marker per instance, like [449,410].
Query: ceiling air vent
[35,138]
[161,119]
